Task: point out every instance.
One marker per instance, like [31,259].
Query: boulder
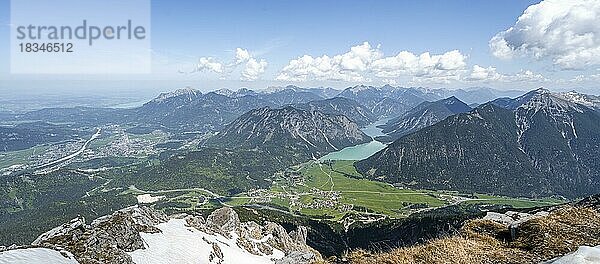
[513,219]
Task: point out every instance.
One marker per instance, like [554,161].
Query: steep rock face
[538,144]
[177,97]
[341,106]
[423,115]
[303,133]
[235,94]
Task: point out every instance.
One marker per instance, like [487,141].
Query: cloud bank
[567,32]
[363,63]
[364,60]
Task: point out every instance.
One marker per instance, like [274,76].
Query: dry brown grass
[456,249]
[561,232]
[483,241]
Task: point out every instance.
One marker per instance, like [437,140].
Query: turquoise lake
[361,151]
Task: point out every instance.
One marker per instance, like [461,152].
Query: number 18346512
[45,47]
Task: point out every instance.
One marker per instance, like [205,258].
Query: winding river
[361,151]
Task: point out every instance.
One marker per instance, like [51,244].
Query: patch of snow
[512,218]
[147,198]
[225,91]
[303,138]
[178,243]
[583,255]
[36,256]
[359,88]
[583,99]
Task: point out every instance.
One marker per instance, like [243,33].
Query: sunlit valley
[359,157]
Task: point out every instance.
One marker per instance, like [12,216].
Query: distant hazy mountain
[538,144]
[192,110]
[387,100]
[181,110]
[423,115]
[86,116]
[324,92]
[480,95]
[234,94]
[305,133]
[341,106]
[195,111]
[290,96]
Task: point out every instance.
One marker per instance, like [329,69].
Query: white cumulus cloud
[484,74]
[489,74]
[426,66]
[363,61]
[525,76]
[564,31]
[253,68]
[585,78]
[344,67]
[210,64]
[241,55]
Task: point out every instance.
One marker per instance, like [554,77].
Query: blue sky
[275,32]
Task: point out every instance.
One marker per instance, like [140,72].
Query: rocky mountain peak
[541,90]
[558,109]
[225,91]
[423,115]
[538,140]
[341,106]
[359,88]
[583,99]
[307,132]
[541,100]
[187,92]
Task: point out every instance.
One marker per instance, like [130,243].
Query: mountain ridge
[310,133]
[535,149]
[341,106]
[423,115]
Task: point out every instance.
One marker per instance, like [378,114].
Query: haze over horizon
[305,132]
[437,44]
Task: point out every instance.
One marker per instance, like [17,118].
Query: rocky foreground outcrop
[257,239]
[106,239]
[116,238]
